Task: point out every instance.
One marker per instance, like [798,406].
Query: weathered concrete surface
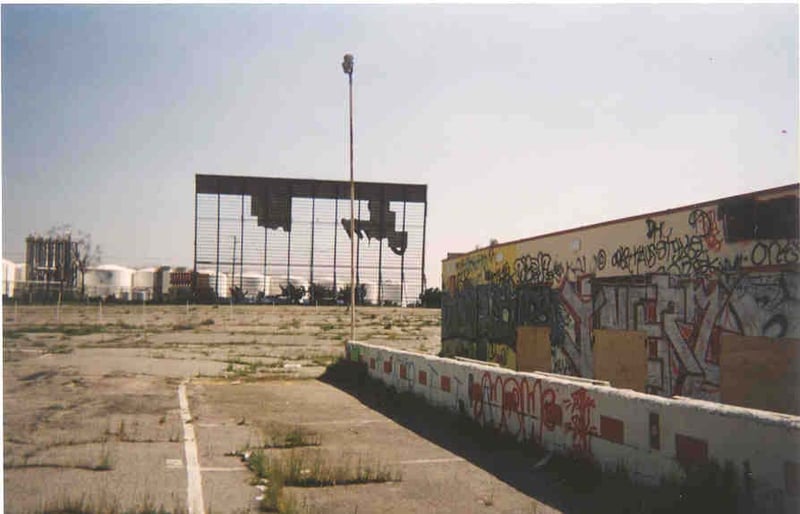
[441,470]
[652,437]
[88,393]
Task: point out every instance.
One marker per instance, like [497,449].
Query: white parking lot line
[194,482]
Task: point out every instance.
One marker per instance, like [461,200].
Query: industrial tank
[143,278]
[220,287]
[252,283]
[390,292]
[144,284]
[9,278]
[109,280]
[370,292]
[19,274]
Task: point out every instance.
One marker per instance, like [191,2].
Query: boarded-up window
[620,356]
[533,349]
[760,373]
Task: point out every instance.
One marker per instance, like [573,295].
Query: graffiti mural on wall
[526,409]
[686,319]
[502,354]
[488,315]
[580,424]
[686,255]
[570,332]
[684,288]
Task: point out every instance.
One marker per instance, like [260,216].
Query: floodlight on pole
[347,67]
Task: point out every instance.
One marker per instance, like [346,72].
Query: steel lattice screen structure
[260,234]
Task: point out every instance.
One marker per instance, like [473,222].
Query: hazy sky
[522,119]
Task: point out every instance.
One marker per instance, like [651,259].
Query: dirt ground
[91,412]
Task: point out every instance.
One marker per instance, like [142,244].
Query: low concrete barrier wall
[651,436]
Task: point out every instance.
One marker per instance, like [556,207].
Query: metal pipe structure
[347,66]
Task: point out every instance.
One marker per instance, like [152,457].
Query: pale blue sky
[522,119]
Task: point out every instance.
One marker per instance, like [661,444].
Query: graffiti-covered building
[699,301]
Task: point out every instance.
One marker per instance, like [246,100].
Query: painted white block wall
[566,414]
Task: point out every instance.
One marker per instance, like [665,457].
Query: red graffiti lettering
[580,424]
[510,404]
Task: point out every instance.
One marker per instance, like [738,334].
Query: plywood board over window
[760,373]
[533,349]
[620,356]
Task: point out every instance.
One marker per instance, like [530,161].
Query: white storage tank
[144,278]
[109,280]
[144,284]
[223,289]
[252,283]
[370,292]
[19,275]
[9,278]
[164,272]
[390,292]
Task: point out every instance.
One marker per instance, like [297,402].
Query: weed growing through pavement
[124,325]
[293,438]
[61,348]
[105,461]
[310,469]
[324,360]
[304,468]
[82,330]
[242,368]
[83,505]
[67,330]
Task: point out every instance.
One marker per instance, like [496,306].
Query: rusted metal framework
[297,231]
[50,263]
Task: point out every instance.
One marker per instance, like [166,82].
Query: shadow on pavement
[506,459]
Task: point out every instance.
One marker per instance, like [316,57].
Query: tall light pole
[347,66]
